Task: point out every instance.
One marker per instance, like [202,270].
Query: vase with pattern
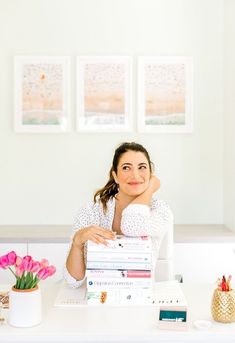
[223,306]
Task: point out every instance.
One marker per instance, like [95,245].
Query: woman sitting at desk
[125,205]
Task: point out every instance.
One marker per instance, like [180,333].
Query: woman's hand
[146,197]
[154,184]
[93,233]
[75,261]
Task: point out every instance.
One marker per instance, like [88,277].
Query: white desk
[118,324]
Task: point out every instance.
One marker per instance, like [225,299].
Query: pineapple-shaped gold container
[223,306]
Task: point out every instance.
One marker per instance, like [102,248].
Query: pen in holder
[223,302]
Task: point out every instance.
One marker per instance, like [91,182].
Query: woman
[125,205]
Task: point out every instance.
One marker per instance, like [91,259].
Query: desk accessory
[25,307]
[25,295]
[4,299]
[173,310]
[4,303]
[202,324]
[223,302]
[173,317]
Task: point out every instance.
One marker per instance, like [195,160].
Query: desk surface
[119,324]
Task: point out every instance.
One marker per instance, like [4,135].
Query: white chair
[164,270]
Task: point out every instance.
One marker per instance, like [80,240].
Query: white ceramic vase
[25,307]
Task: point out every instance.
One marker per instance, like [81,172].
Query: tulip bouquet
[26,271]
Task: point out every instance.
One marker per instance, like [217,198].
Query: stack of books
[120,273]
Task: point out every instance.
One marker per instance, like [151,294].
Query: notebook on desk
[70,297]
[166,293]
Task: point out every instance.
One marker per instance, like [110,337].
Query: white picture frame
[104,89]
[42,94]
[165,94]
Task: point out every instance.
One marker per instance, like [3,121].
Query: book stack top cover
[121,272]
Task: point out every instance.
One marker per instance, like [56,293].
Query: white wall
[229,125]
[44,178]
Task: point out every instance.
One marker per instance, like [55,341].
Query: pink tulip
[26,265]
[41,273]
[27,258]
[18,261]
[30,265]
[44,263]
[35,267]
[45,272]
[4,263]
[19,271]
[51,270]
[11,257]
[21,267]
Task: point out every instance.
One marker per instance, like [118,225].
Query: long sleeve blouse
[137,220]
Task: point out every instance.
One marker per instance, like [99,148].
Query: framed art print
[104,93]
[42,94]
[165,94]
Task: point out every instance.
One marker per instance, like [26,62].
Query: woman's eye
[126,168]
[142,167]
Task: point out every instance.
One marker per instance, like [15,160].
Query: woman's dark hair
[111,188]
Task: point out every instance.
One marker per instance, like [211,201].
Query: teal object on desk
[173,316]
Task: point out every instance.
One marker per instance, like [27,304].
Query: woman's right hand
[93,233]
[154,184]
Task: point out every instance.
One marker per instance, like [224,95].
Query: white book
[118,265]
[116,256]
[95,283]
[167,293]
[123,243]
[120,297]
[107,273]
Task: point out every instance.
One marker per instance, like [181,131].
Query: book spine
[100,273]
[123,239]
[121,245]
[119,297]
[126,248]
[119,257]
[118,265]
[118,283]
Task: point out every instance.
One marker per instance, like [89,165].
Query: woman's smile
[134,183]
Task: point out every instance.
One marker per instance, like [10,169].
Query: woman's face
[133,173]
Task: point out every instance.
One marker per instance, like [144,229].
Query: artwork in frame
[165,94]
[42,94]
[104,93]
